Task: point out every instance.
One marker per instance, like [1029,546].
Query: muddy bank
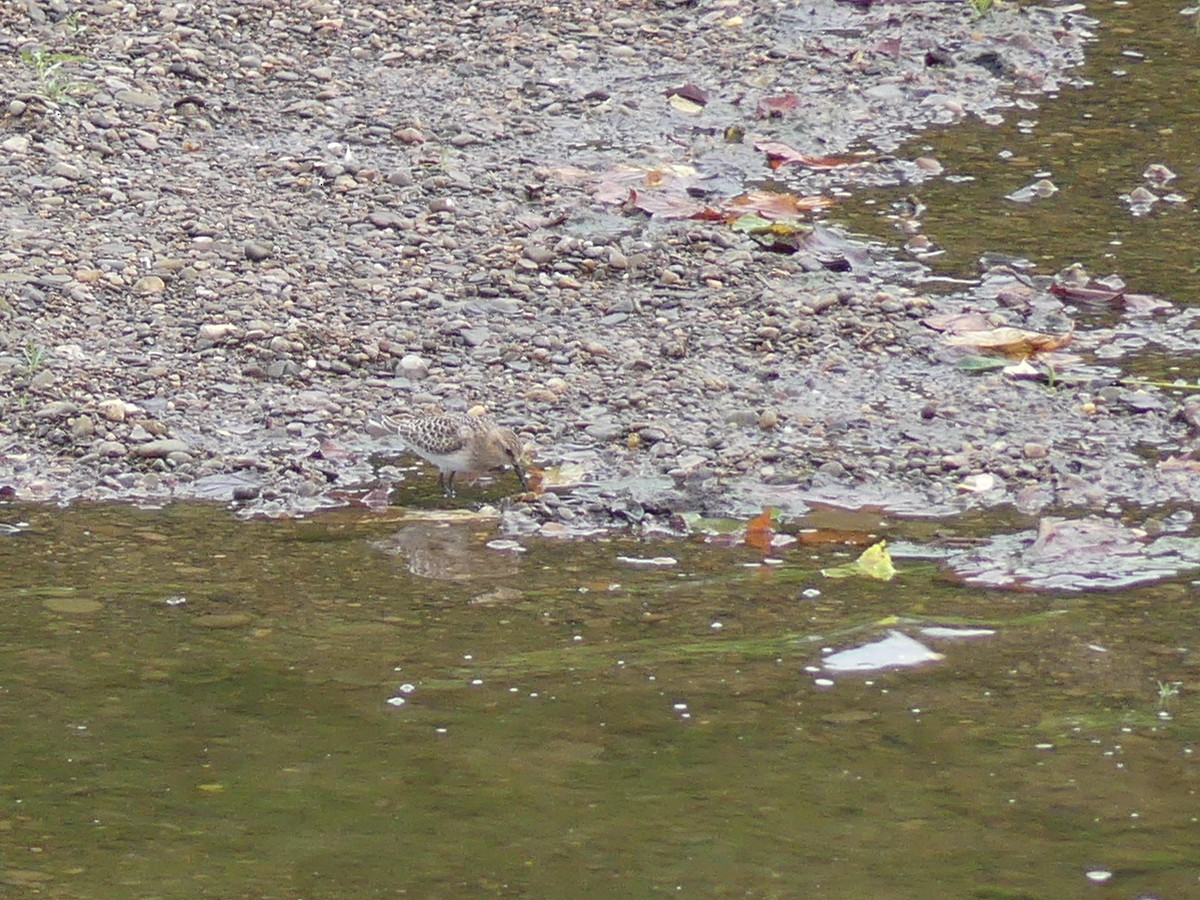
[233,232]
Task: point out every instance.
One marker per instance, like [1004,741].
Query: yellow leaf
[684,105]
[874,562]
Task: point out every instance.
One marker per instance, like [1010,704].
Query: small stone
[60,169]
[41,380]
[112,410]
[413,367]
[214,332]
[16,144]
[410,136]
[538,254]
[670,278]
[59,409]
[112,449]
[149,284]
[768,420]
[386,218]
[257,251]
[82,427]
[160,448]
[138,100]
[442,205]
[1034,450]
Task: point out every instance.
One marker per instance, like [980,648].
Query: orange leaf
[759,530]
[1015,343]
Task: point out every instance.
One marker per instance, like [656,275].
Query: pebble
[217,331]
[112,410]
[58,409]
[413,367]
[257,251]
[160,448]
[149,284]
[1034,450]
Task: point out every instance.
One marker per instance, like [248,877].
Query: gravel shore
[235,231]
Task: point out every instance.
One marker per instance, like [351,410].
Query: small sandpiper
[459,443]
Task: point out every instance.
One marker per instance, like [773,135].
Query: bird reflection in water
[446,552]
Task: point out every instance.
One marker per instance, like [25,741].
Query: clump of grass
[1167,691]
[54,83]
[980,8]
[35,356]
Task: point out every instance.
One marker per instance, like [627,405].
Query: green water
[1094,143]
[193,706]
[578,727]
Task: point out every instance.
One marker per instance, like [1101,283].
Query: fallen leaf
[775,106]
[874,562]
[781,154]
[1015,343]
[688,92]
[684,105]
[760,529]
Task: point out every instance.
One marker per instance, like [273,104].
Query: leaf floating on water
[894,651]
[761,528]
[874,562]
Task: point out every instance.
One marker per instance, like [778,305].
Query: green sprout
[53,82]
[1167,691]
[35,356]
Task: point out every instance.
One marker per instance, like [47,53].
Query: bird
[458,442]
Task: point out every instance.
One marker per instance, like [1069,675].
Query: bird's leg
[448,487]
[521,476]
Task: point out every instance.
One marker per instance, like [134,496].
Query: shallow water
[197,706]
[1094,144]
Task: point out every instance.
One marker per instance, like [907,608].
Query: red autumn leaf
[667,205]
[776,105]
[774,204]
[1091,293]
[690,92]
[781,154]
